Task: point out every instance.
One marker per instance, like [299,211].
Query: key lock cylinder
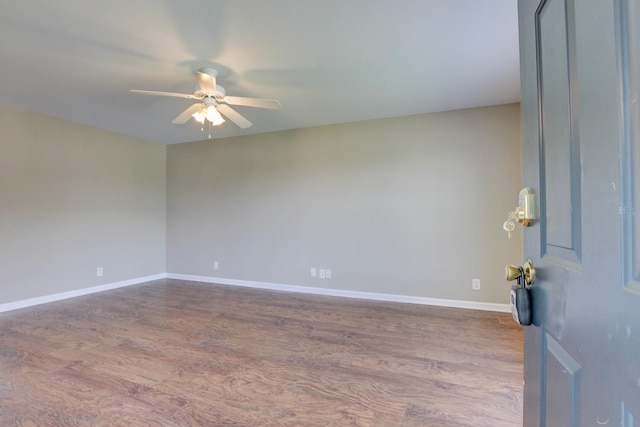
[523,214]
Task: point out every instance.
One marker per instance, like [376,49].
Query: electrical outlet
[99,272]
[475,284]
[313,272]
[215,265]
[322,273]
[327,274]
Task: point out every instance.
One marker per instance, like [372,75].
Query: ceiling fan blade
[234,116]
[271,104]
[175,95]
[207,79]
[186,114]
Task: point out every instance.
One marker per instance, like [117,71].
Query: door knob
[513,272]
[526,273]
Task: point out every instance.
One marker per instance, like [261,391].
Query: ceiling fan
[213,103]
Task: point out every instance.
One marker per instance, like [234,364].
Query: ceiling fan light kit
[214,116]
[213,103]
[208,112]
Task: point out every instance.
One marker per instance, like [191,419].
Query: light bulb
[214,116]
[199,116]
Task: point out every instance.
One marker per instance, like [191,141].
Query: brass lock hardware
[526,273]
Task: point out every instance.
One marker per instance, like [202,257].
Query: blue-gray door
[580,65]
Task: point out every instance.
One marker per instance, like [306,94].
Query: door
[580,65]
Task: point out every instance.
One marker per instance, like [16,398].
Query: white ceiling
[326,61]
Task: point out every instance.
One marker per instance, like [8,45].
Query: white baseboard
[472,305]
[76,293]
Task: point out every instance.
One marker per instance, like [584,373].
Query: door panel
[580,74]
[558,116]
[628,17]
[562,384]
[628,420]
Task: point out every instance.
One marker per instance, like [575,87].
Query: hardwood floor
[174,353]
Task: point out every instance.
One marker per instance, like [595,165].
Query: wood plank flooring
[175,353]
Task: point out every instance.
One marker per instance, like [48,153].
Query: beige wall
[74,198]
[408,206]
